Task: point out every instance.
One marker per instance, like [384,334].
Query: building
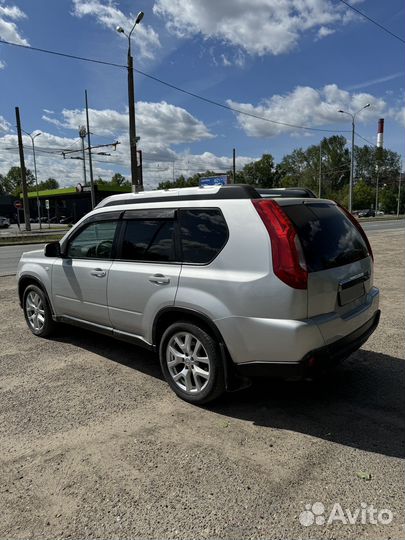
[73,202]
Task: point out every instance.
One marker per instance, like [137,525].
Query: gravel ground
[93,444]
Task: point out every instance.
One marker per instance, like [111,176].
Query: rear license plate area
[349,294]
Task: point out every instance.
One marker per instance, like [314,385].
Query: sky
[294,62]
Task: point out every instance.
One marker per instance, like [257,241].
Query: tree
[388,199]
[181,181]
[301,167]
[51,183]
[12,181]
[369,160]
[260,173]
[363,195]
[119,180]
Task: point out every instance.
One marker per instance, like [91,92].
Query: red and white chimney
[380,133]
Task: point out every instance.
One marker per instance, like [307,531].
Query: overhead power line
[174,87]
[373,21]
[364,139]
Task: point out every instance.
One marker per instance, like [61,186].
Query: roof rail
[239,191]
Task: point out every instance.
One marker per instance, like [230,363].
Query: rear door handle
[159,279]
[98,272]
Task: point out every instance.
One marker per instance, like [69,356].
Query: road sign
[214,181]
[47,204]
[17,204]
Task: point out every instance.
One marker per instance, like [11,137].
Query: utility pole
[33,137]
[82,134]
[377,169]
[23,173]
[353,117]
[320,169]
[233,165]
[399,190]
[137,184]
[93,195]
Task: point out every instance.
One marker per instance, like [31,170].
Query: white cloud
[8,28]
[258,27]
[156,122]
[325,31]
[159,160]
[2,64]
[109,15]
[306,106]
[400,116]
[4,125]
[48,111]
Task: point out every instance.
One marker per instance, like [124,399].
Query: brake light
[288,258]
[358,227]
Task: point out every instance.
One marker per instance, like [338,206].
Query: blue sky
[294,61]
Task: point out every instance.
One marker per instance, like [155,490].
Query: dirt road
[93,444]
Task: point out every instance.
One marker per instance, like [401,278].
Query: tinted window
[327,236]
[94,241]
[203,234]
[148,240]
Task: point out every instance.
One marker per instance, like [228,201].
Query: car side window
[95,241]
[203,234]
[148,240]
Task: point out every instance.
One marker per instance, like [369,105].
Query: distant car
[380,213]
[4,223]
[367,213]
[66,220]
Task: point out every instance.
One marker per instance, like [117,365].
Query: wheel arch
[170,315]
[27,280]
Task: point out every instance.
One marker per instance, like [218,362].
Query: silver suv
[223,283]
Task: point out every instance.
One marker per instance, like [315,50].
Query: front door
[79,280]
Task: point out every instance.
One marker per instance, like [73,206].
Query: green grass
[29,239]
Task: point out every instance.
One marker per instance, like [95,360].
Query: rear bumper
[315,360]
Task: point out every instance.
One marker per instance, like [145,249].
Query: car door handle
[98,272]
[159,279]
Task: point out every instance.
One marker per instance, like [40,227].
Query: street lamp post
[137,184]
[353,117]
[35,172]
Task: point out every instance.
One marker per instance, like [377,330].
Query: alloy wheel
[35,311]
[188,362]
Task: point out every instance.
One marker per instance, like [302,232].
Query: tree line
[331,161]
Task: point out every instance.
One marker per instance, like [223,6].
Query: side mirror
[52,250]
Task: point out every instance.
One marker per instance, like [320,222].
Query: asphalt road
[93,444]
[380,225]
[10,255]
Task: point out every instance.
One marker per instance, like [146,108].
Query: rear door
[144,276]
[337,258]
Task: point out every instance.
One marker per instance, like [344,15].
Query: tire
[37,312]
[196,373]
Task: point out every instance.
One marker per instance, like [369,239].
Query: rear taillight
[288,257]
[358,227]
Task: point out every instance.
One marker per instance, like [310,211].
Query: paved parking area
[93,444]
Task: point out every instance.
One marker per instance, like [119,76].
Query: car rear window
[327,236]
